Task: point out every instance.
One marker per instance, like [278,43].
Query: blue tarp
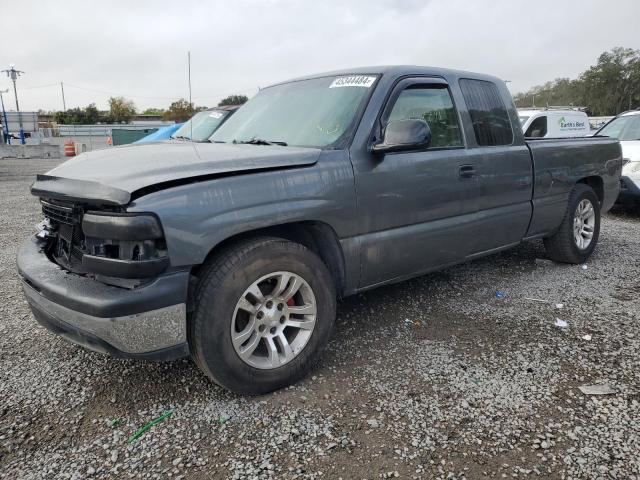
[163,133]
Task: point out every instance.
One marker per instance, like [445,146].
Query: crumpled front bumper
[145,322]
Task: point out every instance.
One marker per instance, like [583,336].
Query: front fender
[198,216]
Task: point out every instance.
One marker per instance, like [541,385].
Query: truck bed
[559,162]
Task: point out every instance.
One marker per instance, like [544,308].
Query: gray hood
[113,176]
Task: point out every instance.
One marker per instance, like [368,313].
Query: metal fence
[87,143]
[96,130]
[88,137]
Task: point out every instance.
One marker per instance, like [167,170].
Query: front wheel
[578,234]
[264,313]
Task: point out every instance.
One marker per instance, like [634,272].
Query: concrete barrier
[30,151]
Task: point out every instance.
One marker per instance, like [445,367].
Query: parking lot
[437,377]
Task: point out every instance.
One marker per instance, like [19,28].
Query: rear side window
[488,112]
[538,128]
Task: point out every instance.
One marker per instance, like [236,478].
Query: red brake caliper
[290,302]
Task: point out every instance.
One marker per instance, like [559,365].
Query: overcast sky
[139,48]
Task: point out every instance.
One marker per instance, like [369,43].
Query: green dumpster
[124,136]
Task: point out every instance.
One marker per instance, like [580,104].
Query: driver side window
[432,104]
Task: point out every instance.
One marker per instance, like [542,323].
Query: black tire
[562,247]
[223,280]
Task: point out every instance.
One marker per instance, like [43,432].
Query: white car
[626,128]
[553,122]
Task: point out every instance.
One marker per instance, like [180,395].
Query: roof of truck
[399,71]
[536,111]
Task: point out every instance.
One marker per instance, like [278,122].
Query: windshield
[623,128]
[306,113]
[523,119]
[200,127]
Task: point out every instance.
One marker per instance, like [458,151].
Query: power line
[148,97]
[40,86]
[235,92]
[163,98]
[107,92]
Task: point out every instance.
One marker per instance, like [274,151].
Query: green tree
[91,114]
[154,111]
[561,91]
[179,111]
[233,100]
[609,87]
[120,110]
[63,118]
[78,116]
[613,84]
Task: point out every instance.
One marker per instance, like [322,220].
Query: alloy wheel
[273,320]
[584,222]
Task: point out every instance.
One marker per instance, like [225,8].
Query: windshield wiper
[260,141]
[180,137]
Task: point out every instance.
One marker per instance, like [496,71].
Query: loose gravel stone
[430,378]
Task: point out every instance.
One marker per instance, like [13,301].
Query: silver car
[626,128]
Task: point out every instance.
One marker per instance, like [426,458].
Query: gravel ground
[432,378]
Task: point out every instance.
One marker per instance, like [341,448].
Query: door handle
[467,171]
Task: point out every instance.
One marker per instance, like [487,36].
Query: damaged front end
[99,277]
[109,244]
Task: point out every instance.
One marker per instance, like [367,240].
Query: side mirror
[403,135]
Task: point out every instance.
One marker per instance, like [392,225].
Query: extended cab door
[505,176]
[417,207]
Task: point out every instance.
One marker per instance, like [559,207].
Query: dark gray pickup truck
[235,251]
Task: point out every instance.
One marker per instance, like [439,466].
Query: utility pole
[190,103]
[189,67]
[64,105]
[5,124]
[13,74]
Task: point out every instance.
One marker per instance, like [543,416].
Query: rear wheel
[264,313]
[578,234]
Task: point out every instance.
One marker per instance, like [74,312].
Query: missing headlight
[124,245]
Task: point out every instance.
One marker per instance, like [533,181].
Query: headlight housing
[123,245]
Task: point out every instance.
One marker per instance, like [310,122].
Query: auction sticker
[353,81]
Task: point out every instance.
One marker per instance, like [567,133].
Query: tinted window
[538,128]
[488,113]
[432,104]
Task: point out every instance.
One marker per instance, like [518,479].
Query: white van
[553,122]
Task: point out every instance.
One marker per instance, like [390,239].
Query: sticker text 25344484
[353,81]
